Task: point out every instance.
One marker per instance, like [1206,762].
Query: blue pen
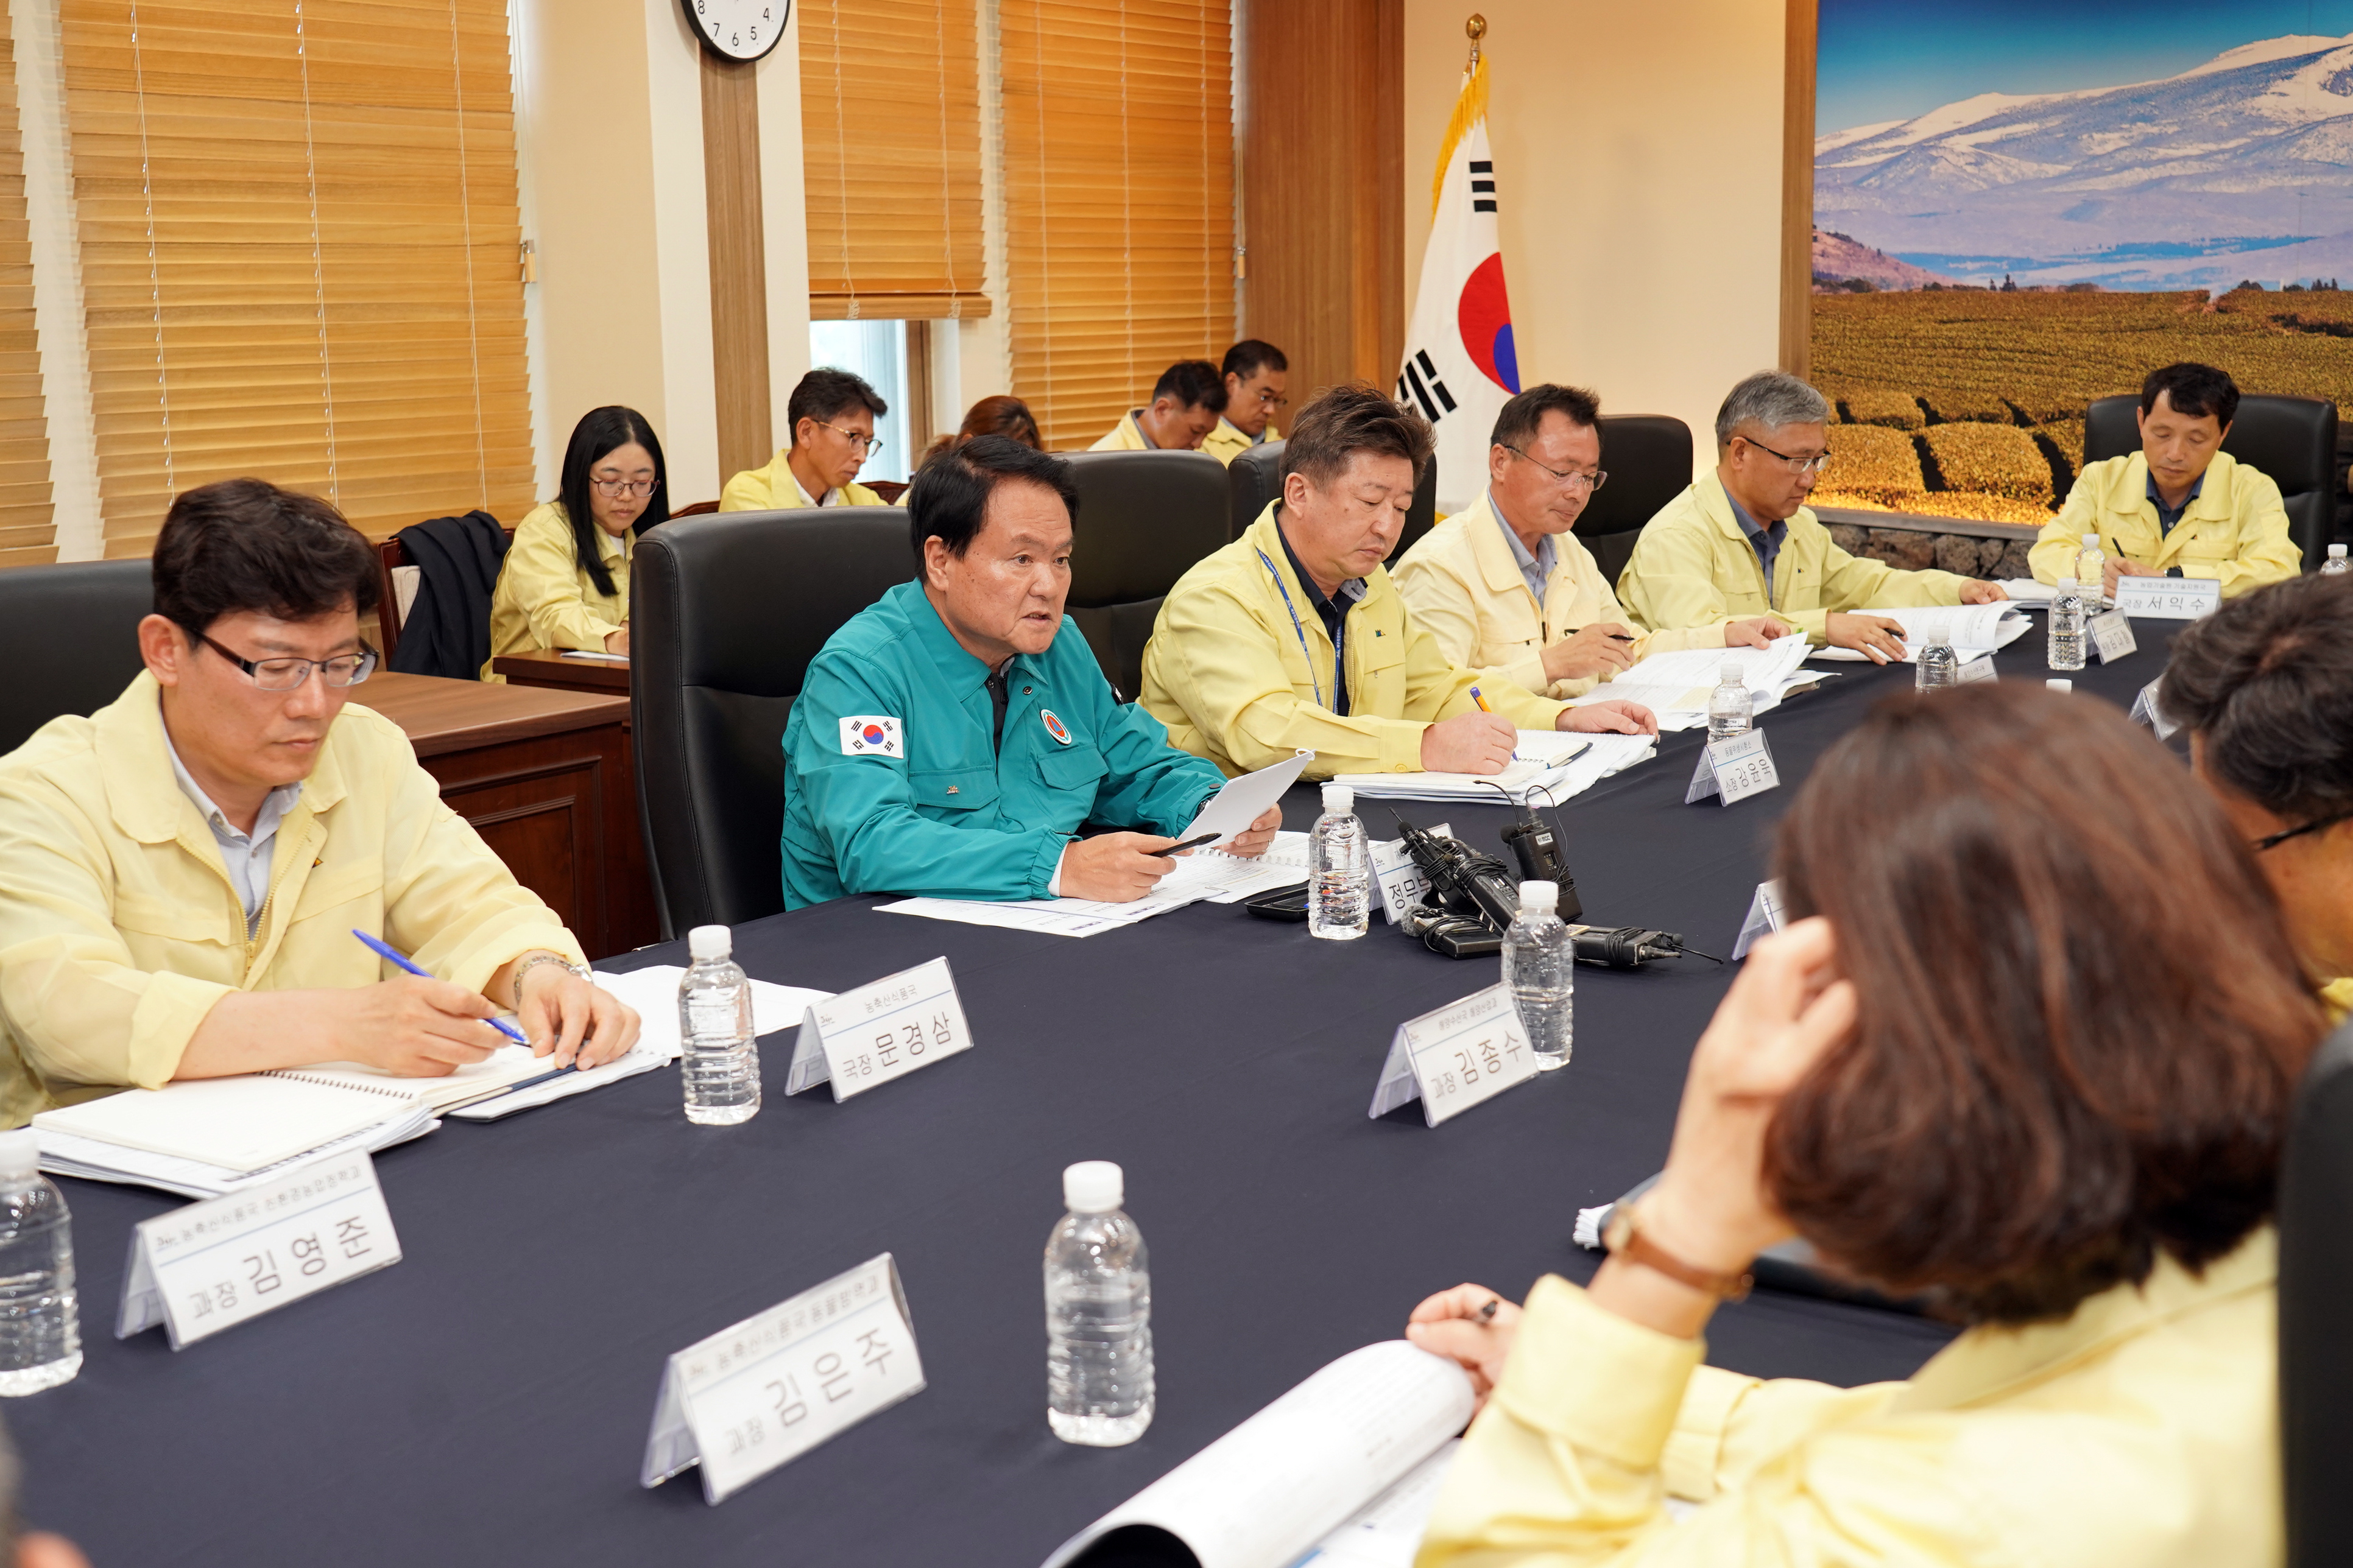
[506,1027]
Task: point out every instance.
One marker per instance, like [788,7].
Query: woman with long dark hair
[566,583]
[2029,1051]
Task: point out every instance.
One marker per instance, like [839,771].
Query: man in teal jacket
[952,737]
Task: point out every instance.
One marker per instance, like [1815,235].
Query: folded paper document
[1972,629]
[1676,686]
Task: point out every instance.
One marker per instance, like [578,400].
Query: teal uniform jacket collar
[914,798]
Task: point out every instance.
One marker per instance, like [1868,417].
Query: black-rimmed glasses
[1572,481]
[2273,840]
[1812,465]
[293,674]
[872,445]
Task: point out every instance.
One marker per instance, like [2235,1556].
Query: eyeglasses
[1574,483]
[614,489]
[2273,840]
[1796,465]
[869,444]
[293,674]
[1267,399]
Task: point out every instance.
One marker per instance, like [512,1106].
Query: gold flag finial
[1476,27]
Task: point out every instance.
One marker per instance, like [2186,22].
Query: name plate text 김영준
[1455,1058]
[868,1036]
[212,1265]
[773,1386]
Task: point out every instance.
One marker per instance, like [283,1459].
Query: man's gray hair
[1770,399]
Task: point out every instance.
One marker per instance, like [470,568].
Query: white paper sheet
[1387,1532]
[1244,800]
[1972,629]
[1675,686]
[1201,876]
[1539,758]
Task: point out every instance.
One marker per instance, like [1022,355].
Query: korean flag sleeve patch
[869,735]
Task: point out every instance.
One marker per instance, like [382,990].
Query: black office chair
[1648,458]
[1144,518]
[2292,439]
[1255,478]
[2316,1282]
[725,618]
[69,640]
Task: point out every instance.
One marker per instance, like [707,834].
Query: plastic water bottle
[1730,710]
[2335,565]
[1339,870]
[721,1064]
[40,1318]
[2067,627]
[1936,666]
[1540,968]
[1098,1314]
[2092,570]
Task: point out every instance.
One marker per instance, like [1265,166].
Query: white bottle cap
[1336,797]
[2337,552]
[1540,895]
[2068,581]
[2056,685]
[1731,674]
[20,1154]
[706,942]
[1093,1186]
[2092,539]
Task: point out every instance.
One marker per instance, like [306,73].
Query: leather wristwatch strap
[1625,1239]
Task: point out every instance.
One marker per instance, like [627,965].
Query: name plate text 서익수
[2168,598]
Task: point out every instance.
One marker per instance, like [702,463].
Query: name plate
[2145,710]
[212,1265]
[1765,917]
[1733,770]
[1453,1059]
[864,1039]
[1979,668]
[2169,598]
[2112,636]
[775,1385]
[1402,883]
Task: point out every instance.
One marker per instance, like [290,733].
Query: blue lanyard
[1299,632]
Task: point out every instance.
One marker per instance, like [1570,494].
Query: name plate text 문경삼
[1733,769]
[868,1035]
[2168,598]
[773,1386]
[214,1264]
[1455,1058]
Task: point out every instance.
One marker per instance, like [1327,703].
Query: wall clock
[738,29]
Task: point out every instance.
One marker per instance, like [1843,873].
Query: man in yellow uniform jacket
[1185,402]
[1741,541]
[1256,377]
[180,872]
[2264,685]
[2180,507]
[1293,637]
[833,413]
[1505,584]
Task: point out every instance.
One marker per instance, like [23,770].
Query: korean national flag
[869,736]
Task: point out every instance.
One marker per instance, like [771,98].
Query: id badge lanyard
[1299,632]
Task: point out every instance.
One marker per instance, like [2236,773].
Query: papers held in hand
[1358,1445]
[1972,629]
[1245,799]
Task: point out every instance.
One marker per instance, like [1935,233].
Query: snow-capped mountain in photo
[2240,168]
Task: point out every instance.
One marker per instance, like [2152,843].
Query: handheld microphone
[1460,879]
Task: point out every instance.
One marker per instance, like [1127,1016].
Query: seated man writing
[952,736]
[1293,636]
[180,872]
[833,413]
[1256,377]
[1187,402]
[1505,585]
[2180,507]
[2264,685]
[1740,540]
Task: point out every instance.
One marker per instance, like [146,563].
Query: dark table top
[487,1400]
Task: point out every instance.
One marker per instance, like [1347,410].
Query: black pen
[1188,844]
[1613,637]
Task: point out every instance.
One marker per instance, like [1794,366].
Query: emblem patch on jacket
[1054,726]
[871,736]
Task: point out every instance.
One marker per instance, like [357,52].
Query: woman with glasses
[566,583]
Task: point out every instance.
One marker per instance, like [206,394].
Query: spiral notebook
[234,1123]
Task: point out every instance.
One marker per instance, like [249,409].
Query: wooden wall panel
[1797,189]
[739,292]
[1324,190]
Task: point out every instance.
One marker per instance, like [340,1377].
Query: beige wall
[1638,160]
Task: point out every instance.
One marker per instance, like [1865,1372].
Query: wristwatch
[1624,1238]
[535,961]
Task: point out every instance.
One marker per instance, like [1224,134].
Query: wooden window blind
[27,522]
[891,158]
[1119,200]
[300,254]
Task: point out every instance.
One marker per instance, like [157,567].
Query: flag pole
[1477,29]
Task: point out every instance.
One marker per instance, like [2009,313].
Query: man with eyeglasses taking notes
[833,413]
[1505,584]
[1257,377]
[1741,542]
[181,873]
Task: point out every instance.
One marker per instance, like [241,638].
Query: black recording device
[1628,947]
[1537,849]
[1461,881]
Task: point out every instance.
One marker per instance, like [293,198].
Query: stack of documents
[1974,630]
[1201,876]
[1675,686]
[2029,592]
[1546,765]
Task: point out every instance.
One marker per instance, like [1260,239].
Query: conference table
[487,1399]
